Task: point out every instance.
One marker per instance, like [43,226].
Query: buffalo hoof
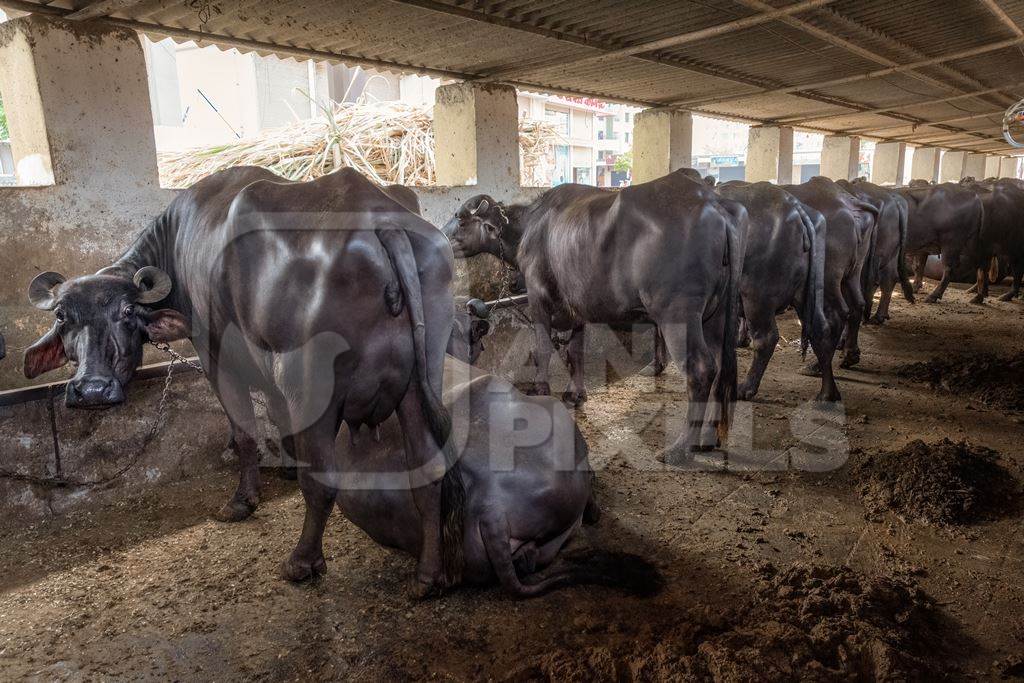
[931,299]
[746,392]
[424,590]
[828,396]
[574,398]
[539,389]
[850,358]
[811,370]
[235,511]
[652,369]
[675,456]
[977,299]
[877,319]
[297,569]
[1008,296]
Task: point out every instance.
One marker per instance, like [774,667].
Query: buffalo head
[468,332]
[100,324]
[476,227]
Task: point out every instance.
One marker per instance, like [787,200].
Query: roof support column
[992,165]
[888,163]
[1009,167]
[840,157]
[476,129]
[662,143]
[953,165]
[974,167]
[925,164]
[770,154]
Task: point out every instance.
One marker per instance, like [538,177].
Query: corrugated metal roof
[737,50]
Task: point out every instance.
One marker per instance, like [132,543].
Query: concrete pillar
[662,143]
[992,165]
[925,164]
[888,163]
[953,164]
[1008,167]
[770,154]
[476,131]
[77,103]
[974,166]
[840,157]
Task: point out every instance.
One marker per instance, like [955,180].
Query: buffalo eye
[59,315]
[128,311]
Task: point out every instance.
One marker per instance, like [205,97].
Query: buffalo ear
[166,325]
[482,207]
[45,355]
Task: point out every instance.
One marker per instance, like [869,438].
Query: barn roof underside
[929,72]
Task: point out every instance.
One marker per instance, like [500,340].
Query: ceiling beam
[993,6]
[794,120]
[878,73]
[971,117]
[769,13]
[100,8]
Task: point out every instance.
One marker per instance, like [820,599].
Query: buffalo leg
[1018,274]
[887,283]
[426,460]
[764,335]
[277,410]
[659,362]
[542,352]
[687,347]
[920,261]
[318,481]
[855,303]
[238,406]
[980,286]
[947,274]
[574,355]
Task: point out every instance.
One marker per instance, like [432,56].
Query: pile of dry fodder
[941,483]
[389,142]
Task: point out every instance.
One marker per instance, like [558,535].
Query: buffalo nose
[93,392]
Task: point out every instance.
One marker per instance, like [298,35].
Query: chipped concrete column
[888,163]
[974,166]
[992,165]
[770,154]
[476,129]
[662,143]
[952,168]
[925,164]
[77,102]
[840,157]
[1009,167]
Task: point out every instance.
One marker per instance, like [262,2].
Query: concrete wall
[94,115]
[770,154]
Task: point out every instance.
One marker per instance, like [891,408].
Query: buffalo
[889,265]
[942,219]
[849,242]
[1002,235]
[327,296]
[668,252]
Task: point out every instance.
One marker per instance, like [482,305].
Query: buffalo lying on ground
[523,503]
[850,238]
[889,266]
[669,252]
[327,296]
[942,219]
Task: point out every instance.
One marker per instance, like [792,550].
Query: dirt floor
[768,574]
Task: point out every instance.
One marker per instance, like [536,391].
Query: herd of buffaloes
[333,299]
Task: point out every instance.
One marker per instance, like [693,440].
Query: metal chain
[506,284]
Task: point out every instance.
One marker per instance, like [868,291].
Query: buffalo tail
[453,492]
[725,387]
[813,324]
[901,259]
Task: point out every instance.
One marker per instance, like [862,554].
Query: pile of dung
[808,623]
[941,483]
[996,381]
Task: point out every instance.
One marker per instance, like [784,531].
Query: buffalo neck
[154,246]
[511,235]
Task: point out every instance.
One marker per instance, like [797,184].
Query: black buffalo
[849,241]
[942,219]
[669,252]
[1001,240]
[889,266]
[327,296]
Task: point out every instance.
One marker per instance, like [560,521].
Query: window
[559,119]
[164,94]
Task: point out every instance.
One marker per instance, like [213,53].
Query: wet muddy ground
[781,573]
